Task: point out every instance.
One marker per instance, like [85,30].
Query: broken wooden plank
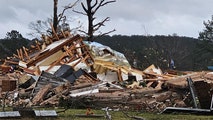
[54,100]
[54,32]
[61,88]
[25,52]
[52,51]
[21,54]
[40,95]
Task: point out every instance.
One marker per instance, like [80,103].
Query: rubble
[66,71]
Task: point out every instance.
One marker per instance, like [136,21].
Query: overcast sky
[128,17]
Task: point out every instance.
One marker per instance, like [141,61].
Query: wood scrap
[61,88]
[42,92]
[134,85]
[54,100]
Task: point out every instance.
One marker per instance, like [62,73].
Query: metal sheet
[64,71]
[187,110]
[45,113]
[9,114]
[75,75]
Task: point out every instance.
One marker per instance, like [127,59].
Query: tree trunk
[55,16]
[90,20]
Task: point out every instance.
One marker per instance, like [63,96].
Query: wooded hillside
[187,53]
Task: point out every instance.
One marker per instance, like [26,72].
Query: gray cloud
[162,17]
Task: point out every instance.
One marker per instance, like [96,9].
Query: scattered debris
[74,73]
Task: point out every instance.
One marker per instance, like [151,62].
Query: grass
[118,115]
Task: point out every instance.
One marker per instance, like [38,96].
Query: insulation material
[138,76]
[109,76]
[105,53]
[84,93]
[153,69]
[22,64]
[79,65]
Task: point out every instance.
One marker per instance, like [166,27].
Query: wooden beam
[42,92]
[156,79]
[157,75]
[37,45]
[26,54]
[119,75]
[63,33]
[149,84]
[54,32]
[44,55]
[21,54]
[18,54]
[11,62]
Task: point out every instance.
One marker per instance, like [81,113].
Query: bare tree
[55,15]
[43,27]
[40,27]
[61,17]
[69,6]
[89,10]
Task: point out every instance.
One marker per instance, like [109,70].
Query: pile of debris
[66,71]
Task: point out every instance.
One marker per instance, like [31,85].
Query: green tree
[14,34]
[207,33]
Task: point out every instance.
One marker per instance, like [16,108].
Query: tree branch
[98,25]
[90,11]
[102,3]
[86,10]
[83,31]
[79,12]
[106,33]
[60,16]
[96,2]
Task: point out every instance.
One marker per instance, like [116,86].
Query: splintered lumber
[25,52]
[82,85]
[54,100]
[119,75]
[180,81]
[149,84]
[54,32]
[209,76]
[21,54]
[45,54]
[62,87]
[38,45]
[5,68]
[155,79]
[16,56]
[11,62]
[134,85]
[42,92]
[158,75]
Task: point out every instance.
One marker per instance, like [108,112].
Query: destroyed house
[67,67]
